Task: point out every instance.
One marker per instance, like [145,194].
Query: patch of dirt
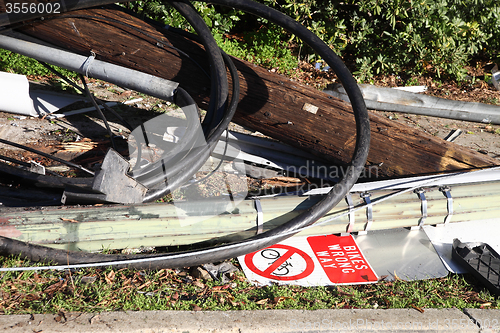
[80,138]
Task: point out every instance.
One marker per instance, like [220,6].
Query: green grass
[98,290]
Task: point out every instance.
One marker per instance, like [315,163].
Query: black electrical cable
[191,127]
[64,78]
[217,106]
[25,164]
[153,173]
[147,175]
[45,180]
[186,168]
[219,84]
[99,111]
[216,121]
[170,174]
[203,151]
[308,217]
[217,167]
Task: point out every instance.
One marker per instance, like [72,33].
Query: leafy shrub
[425,36]
[437,37]
[16,63]
[410,37]
[403,36]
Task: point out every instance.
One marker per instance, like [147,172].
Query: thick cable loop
[305,219]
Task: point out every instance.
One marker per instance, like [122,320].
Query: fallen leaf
[262,301]
[144,285]
[110,277]
[199,284]
[54,287]
[195,307]
[280,299]
[32,297]
[341,304]
[220,287]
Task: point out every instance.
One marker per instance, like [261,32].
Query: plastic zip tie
[87,63]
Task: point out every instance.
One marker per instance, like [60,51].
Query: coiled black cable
[308,217]
[169,173]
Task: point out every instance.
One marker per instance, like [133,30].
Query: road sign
[311,261]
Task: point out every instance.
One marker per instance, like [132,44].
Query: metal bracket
[113,181]
[87,63]
[37,168]
[350,226]
[420,192]
[260,216]
[447,193]
[369,212]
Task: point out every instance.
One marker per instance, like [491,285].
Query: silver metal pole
[388,99]
[89,66]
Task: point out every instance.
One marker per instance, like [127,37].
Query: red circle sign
[267,273]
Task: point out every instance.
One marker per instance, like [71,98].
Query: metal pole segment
[124,77]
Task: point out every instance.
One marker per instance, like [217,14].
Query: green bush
[421,37]
[413,37]
[16,63]
[12,62]
[437,37]
[403,37]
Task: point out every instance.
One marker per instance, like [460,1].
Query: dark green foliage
[424,37]
[403,36]
[15,63]
[372,36]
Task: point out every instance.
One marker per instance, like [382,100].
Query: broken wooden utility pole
[293,113]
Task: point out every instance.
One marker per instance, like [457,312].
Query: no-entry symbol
[280,262]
